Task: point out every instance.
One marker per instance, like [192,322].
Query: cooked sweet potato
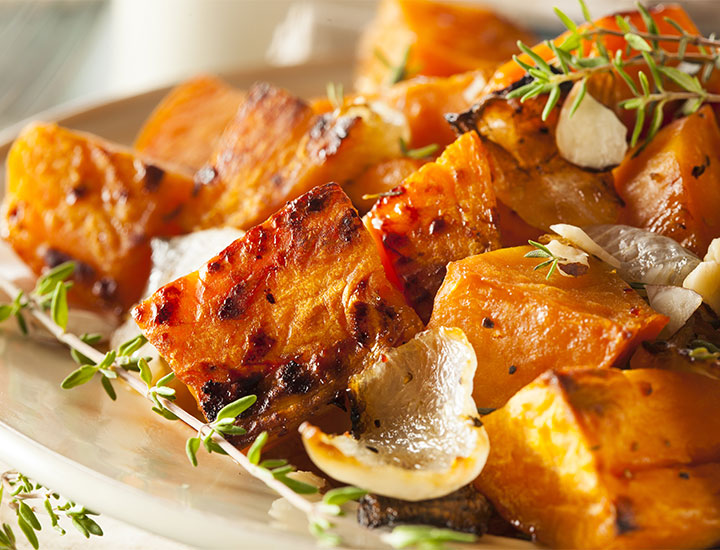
[443,38]
[609,459]
[73,196]
[287,313]
[443,212]
[186,125]
[522,324]
[673,186]
[276,149]
[530,176]
[380,178]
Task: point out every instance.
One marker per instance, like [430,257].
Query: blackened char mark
[168,304]
[350,225]
[83,272]
[295,377]
[234,304]
[153,177]
[360,322]
[624,516]
[215,395]
[259,345]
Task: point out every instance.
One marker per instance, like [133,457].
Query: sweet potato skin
[443,212]
[287,313]
[445,38]
[276,149]
[672,187]
[617,459]
[522,324]
[73,196]
[380,178]
[186,125]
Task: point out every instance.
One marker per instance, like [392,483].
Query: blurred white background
[55,51]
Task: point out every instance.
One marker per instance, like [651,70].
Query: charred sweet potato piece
[287,313]
[72,196]
[276,149]
[443,38]
[380,178]
[186,125]
[609,459]
[530,176]
[443,212]
[522,324]
[673,186]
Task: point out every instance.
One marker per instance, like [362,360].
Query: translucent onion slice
[421,436]
[705,278]
[675,302]
[644,256]
[579,238]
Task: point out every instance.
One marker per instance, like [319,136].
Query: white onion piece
[644,256]
[421,436]
[592,137]
[705,278]
[579,238]
[675,302]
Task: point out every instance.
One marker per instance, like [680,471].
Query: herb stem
[309,508]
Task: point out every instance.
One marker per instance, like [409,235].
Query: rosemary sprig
[23,490]
[649,99]
[542,251]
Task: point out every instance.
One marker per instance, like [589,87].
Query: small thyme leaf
[273,463]
[5,312]
[145,372]
[29,533]
[192,445]
[404,536]
[28,515]
[59,306]
[108,387]
[585,11]
[236,408]
[131,346]
[341,495]
[91,339]
[80,527]
[299,487]
[579,97]
[79,377]
[689,83]
[637,42]
[165,380]
[569,23]
[255,451]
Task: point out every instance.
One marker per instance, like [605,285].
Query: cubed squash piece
[443,212]
[589,458]
[440,38]
[276,149]
[288,313]
[531,177]
[186,125]
[73,196]
[522,324]
[673,186]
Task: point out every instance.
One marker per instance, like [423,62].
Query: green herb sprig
[701,350]
[331,505]
[335,94]
[418,153]
[21,491]
[400,71]
[424,537]
[542,251]
[649,99]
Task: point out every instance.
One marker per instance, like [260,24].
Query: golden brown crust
[443,212]
[73,196]
[288,313]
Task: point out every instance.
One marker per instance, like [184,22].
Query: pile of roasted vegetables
[381,299]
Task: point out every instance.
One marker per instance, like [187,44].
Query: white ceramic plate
[119,458]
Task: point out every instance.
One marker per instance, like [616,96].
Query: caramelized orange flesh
[287,313]
[443,212]
[673,186]
[609,459]
[73,196]
[186,125]
[444,38]
[522,324]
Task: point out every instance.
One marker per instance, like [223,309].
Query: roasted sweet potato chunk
[186,125]
[443,212]
[609,459]
[522,324]
[276,149]
[673,186]
[287,313]
[443,38]
[73,196]
[380,178]
[529,175]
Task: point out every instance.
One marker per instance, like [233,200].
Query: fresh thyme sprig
[23,490]
[649,99]
[400,71]
[424,537]
[322,516]
[418,153]
[542,251]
